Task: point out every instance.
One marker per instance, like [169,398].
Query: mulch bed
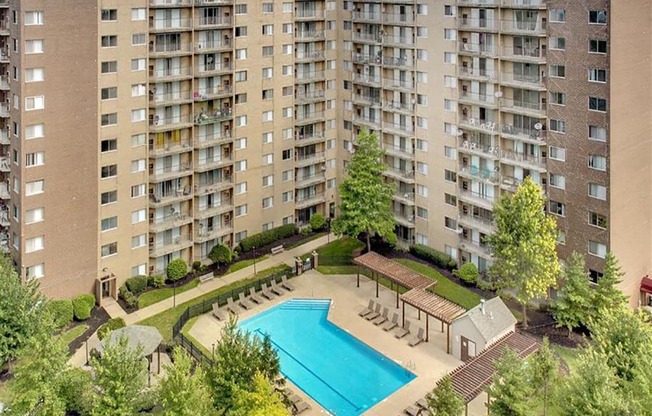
[98,317]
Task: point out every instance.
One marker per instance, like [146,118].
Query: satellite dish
[538,126]
[460,133]
[498,94]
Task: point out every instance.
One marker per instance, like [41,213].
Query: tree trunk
[368,241]
[525,315]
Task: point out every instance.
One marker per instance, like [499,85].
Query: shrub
[61,311]
[130,299]
[110,325]
[177,269]
[306,230]
[75,392]
[267,237]
[122,291]
[317,222]
[468,273]
[136,284]
[220,254]
[442,260]
[156,280]
[82,306]
[196,265]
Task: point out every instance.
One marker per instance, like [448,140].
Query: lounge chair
[285,284]
[266,292]
[412,411]
[422,403]
[276,288]
[389,325]
[403,331]
[418,339]
[300,407]
[246,303]
[255,296]
[218,313]
[295,398]
[232,306]
[375,314]
[368,310]
[382,318]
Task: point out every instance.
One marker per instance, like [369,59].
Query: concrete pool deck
[429,361]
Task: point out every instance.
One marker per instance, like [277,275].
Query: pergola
[439,308]
[470,379]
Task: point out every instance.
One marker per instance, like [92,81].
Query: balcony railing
[207,233]
[477,3]
[463,71]
[214,116]
[492,152]
[368,16]
[308,138]
[170,48]
[366,99]
[305,180]
[159,123]
[160,73]
[477,198]
[509,77]
[480,48]
[4,191]
[398,18]
[486,99]
[163,198]
[475,246]
[374,122]
[4,82]
[169,147]
[398,83]
[394,61]
[209,139]
[208,93]
[477,221]
[310,34]
[214,21]
[213,44]
[311,116]
[524,158]
[405,197]
[212,2]
[401,174]
[218,185]
[474,123]
[400,128]
[310,157]
[169,221]
[307,55]
[398,40]
[303,201]
[404,218]
[179,169]
[524,106]
[170,97]
[398,149]
[515,52]
[170,24]
[213,68]
[361,58]
[169,3]
[169,245]
[367,79]
[397,105]
[524,4]
[480,173]
[308,14]
[302,95]
[523,133]
[524,26]
[367,37]
[306,75]
[207,211]
[477,23]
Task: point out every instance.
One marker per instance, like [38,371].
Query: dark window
[109,145]
[109,197]
[598,17]
[109,171]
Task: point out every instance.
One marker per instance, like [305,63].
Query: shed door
[468,349]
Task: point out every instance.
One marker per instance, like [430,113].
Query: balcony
[4,28]
[203,234]
[213,69]
[210,188]
[367,37]
[399,151]
[170,74]
[527,135]
[4,164]
[522,80]
[305,201]
[475,247]
[170,98]
[369,100]
[401,41]
[158,123]
[472,147]
[524,160]
[484,224]
[402,175]
[476,172]
[366,16]
[397,128]
[519,53]
[212,2]
[4,137]
[361,58]
[404,219]
[524,4]
[478,124]
[158,50]
[170,3]
[372,123]
[477,3]
[4,57]
[476,198]
[303,96]
[205,211]
[510,183]
[307,56]
[165,246]
[209,93]
[477,49]
[216,116]
[407,84]
[158,199]
[394,106]
[484,100]
[203,165]
[365,79]
[309,35]
[476,74]
[169,25]
[524,27]
[302,181]
[304,117]
[398,18]
[308,14]
[169,147]
[212,139]
[4,191]
[309,76]
[406,198]
[4,3]
[477,24]
[309,158]
[4,217]
[157,225]
[400,62]
[213,45]
[524,107]
[169,172]
[309,138]
[207,22]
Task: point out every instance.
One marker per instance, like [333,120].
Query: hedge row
[267,237]
[136,284]
[442,260]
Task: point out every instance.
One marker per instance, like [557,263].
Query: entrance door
[468,349]
[106,289]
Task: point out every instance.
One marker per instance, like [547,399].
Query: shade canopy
[138,336]
[397,273]
[433,305]
[646,285]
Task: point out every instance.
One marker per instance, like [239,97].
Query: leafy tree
[468,273]
[574,305]
[261,400]
[366,199]
[221,254]
[510,391]
[177,269]
[75,390]
[239,355]
[544,372]
[524,245]
[21,310]
[606,294]
[444,400]
[120,378]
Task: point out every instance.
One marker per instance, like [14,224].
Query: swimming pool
[342,374]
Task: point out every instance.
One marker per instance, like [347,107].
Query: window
[241,98]
[268,72]
[450,200]
[35,187]
[422,239]
[557,43]
[594,276]
[34,159]
[558,98]
[35,103]
[597,75]
[450,58]
[598,191]
[240,9]
[240,76]
[33,18]
[557,15]
[561,237]
[138,216]
[267,51]
[138,39]
[268,7]
[557,208]
[422,145]
[597,46]
[268,115]
[558,126]
[287,91]
[109,41]
[109,67]
[450,152]
[450,176]
[139,270]
[268,29]
[109,119]
[109,197]
[138,14]
[240,31]
[448,10]
[422,168]
[34,74]
[422,32]
[597,133]
[109,15]
[268,180]
[34,46]
[597,249]
[597,220]
[138,140]
[268,159]
[288,196]
[110,223]
[241,121]
[109,171]
[138,90]
[598,162]
[241,210]
[287,27]
[597,104]
[268,202]
[557,181]
[35,272]
[287,7]
[557,153]
[598,17]
[558,71]
[422,9]
[138,190]
[286,154]
[450,223]
[34,244]
[450,34]
[450,105]
[240,188]
[138,165]
[241,143]
[287,112]
[241,53]
[241,165]
[138,115]
[422,213]
[109,249]
[109,93]
[138,240]
[34,215]
[138,64]
[288,175]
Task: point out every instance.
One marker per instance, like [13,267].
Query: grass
[157,295]
[444,287]
[306,240]
[342,247]
[73,333]
[244,263]
[569,355]
[4,391]
[166,319]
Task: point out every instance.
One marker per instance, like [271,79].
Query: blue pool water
[342,374]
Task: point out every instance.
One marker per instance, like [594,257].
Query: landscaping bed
[98,317]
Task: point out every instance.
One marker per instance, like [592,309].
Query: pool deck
[429,361]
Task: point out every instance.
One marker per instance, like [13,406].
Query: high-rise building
[143,131]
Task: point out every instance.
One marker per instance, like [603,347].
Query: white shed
[480,327]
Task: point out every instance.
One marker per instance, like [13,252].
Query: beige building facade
[134,133]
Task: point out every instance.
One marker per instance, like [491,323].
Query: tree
[524,245]
[468,273]
[221,254]
[510,391]
[366,199]
[574,304]
[177,269]
[21,310]
[260,400]
[444,400]
[183,393]
[544,372]
[239,355]
[120,379]
[606,294]
[317,222]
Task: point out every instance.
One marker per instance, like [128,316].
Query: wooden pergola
[396,273]
[471,378]
[439,308]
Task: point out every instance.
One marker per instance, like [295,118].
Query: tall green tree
[444,400]
[524,245]
[366,199]
[120,378]
[574,305]
[510,391]
[182,392]
[606,294]
[544,372]
[259,400]
[21,310]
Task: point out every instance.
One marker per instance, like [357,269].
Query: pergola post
[448,339]
[397,296]
[358,284]
[427,327]
[442,326]
[377,284]
[419,313]
[466,409]
[403,324]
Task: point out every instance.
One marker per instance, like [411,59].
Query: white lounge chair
[232,306]
[218,313]
[285,284]
[278,290]
[255,296]
[368,310]
[266,292]
[244,302]
[375,314]
[382,318]
[403,331]
[391,324]
[418,339]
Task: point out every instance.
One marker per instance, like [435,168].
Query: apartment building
[134,133]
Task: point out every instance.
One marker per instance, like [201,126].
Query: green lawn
[569,355]
[165,320]
[4,391]
[444,287]
[306,240]
[245,263]
[73,333]
[157,295]
[342,247]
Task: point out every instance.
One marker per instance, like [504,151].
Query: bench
[277,249]
[206,277]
